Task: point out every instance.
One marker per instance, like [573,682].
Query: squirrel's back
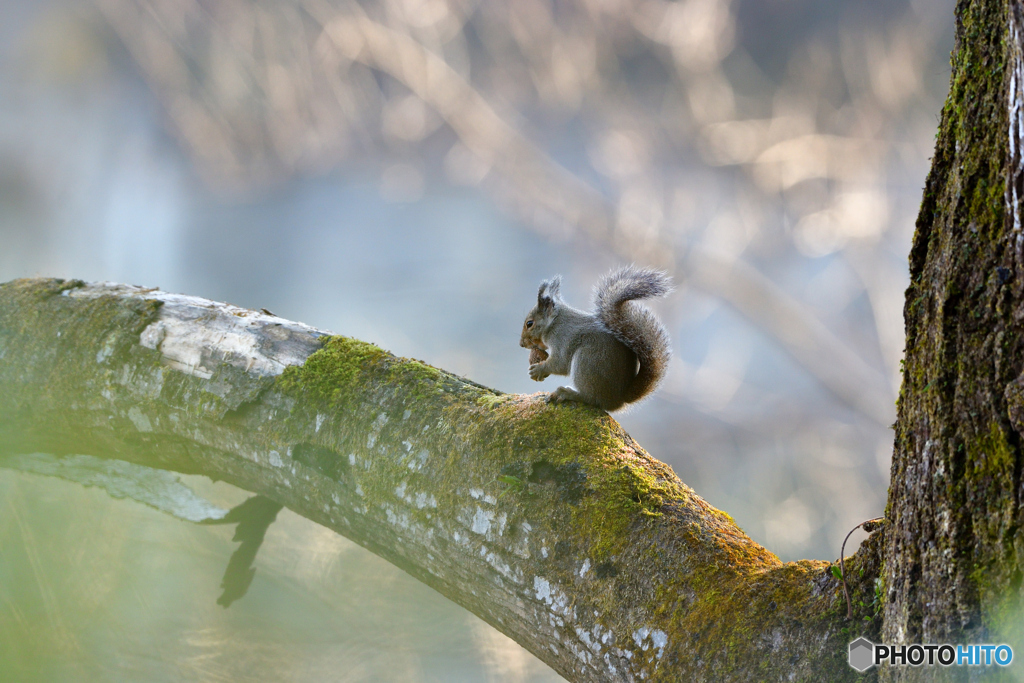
[634,324]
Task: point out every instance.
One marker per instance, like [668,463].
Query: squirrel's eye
[529,323]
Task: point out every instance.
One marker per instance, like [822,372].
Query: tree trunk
[549,522]
[953,550]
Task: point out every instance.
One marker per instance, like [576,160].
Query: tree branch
[549,522]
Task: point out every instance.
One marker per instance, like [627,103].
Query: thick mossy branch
[549,522]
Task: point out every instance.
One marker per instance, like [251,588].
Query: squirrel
[616,355]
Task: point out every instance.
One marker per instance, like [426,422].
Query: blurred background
[406,172]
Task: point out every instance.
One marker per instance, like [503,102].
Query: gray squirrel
[616,355]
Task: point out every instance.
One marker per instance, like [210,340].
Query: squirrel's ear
[548,292]
[555,286]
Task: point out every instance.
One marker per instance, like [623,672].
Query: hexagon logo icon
[862,654]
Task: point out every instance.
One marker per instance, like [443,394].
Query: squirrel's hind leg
[562,394]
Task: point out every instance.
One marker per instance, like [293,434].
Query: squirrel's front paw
[538,372]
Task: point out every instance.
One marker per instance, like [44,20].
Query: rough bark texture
[549,522]
[954,550]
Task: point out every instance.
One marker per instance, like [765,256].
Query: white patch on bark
[640,635]
[153,336]
[378,424]
[550,595]
[482,521]
[424,500]
[399,520]
[580,653]
[644,637]
[500,566]
[421,459]
[238,335]
[542,588]
[140,421]
[275,459]
[585,568]
[660,640]
[588,640]
[1015,103]
[107,350]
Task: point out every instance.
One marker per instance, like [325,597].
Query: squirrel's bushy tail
[634,324]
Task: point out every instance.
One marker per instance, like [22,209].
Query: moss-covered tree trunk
[954,548]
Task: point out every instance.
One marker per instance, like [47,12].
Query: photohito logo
[864,654]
